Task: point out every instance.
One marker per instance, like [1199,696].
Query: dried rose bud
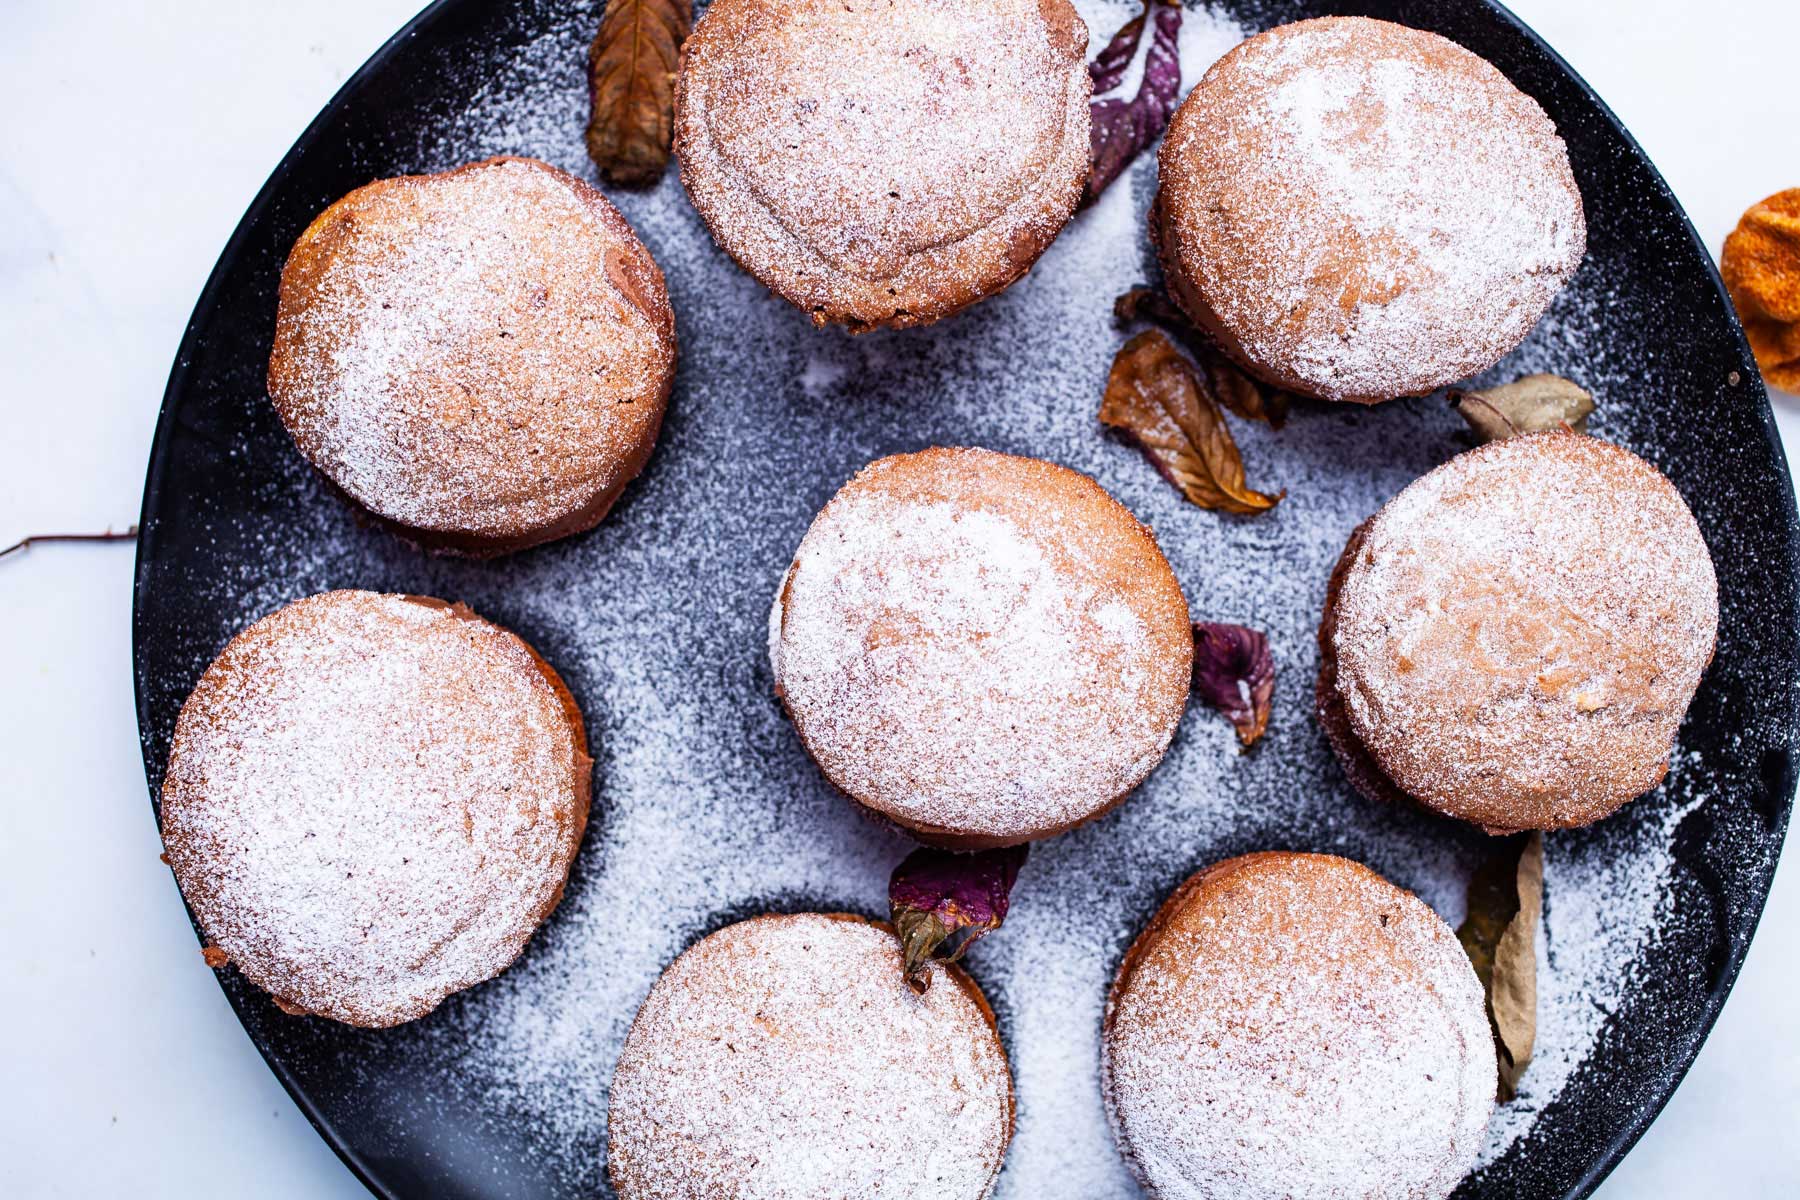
[1235,673]
[935,895]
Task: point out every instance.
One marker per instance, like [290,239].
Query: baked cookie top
[884,164]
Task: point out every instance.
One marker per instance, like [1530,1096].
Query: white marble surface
[131,138]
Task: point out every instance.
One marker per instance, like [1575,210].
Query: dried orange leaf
[1506,900]
[631,87]
[1156,397]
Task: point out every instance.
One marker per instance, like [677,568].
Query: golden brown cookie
[1294,1027]
[372,801]
[1514,639]
[480,359]
[884,164]
[982,648]
[785,1058]
[1356,210]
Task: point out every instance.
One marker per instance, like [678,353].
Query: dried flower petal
[1107,71]
[936,894]
[1506,899]
[1761,268]
[1123,129]
[1157,398]
[631,87]
[1237,391]
[1530,405]
[1235,673]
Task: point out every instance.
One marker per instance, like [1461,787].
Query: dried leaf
[1147,304]
[1156,397]
[1108,69]
[1235,673]
[1123,129]
[1237,391]
[1529,405]
[936,894]
[1506,900]
[1244,395]
[631,87]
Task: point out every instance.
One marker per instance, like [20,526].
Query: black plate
[707,810]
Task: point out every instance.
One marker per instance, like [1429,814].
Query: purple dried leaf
[934,895]
[1122,129]
[1109,66]
[1235,674]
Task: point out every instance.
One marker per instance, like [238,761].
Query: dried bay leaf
[1122,129]
[1235,674]
[1506,900]
[935,895]
[631,88]
[1530,405]
[1156,397]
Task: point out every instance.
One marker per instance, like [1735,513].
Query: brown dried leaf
[631,87]
[1156,397]
[1506,899]
[1530,405]
[1244,395]
[1247,397]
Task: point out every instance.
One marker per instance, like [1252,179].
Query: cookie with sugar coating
[372,801]
[785,1058]
[479,359]
[981,648]
[1514,639]
[884,164]
[1356,210]
[1294,1027]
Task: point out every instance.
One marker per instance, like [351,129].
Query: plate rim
[229,260]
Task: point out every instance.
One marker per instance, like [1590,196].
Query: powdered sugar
[372,802]
[1296,1028]
[783,1058]
[961,670]
[1368,210]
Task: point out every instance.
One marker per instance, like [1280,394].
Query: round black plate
[706,809]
